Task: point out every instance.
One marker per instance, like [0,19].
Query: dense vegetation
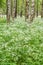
[21,32]
[21,43]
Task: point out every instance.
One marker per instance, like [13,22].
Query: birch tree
[14,12]
[32,10]
[27,10]
[42,10]
[8,2]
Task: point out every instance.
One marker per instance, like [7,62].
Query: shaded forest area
[21,32]
[27,8]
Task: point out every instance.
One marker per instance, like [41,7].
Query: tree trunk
[27,11]
[14,12]
[32,10]
[37,9]
[11,7]
[42,10]
[8,10]
[17,7]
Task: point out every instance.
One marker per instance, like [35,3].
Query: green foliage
[20,5]
[2,2]
[21,43]
[3,6]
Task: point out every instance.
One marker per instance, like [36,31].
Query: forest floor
[21,43]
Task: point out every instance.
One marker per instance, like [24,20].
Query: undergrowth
[21,43]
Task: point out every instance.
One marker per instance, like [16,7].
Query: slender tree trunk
[18,8]
[14,12]
[21,12]
[11,7]
[23,6]
[37,9]
[27,11]
[21,9]
[32,10]
[42,10]
[8,10]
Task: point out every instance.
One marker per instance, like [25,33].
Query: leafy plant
[21,43]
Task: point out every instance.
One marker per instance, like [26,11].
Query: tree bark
[8,9]
[37,9]
[27,10]
[14,12]
[32,10]
[42,10]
